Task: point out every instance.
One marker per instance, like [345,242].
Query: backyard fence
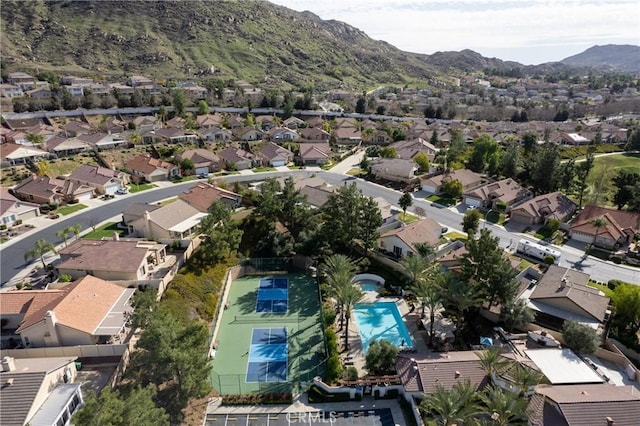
[292,317]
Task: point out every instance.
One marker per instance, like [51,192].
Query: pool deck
[355,356]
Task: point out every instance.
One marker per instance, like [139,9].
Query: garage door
[112,189]
[201,170]
[84,197]
[278,163]
[472,201]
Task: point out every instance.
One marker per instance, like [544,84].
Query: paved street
[12,252]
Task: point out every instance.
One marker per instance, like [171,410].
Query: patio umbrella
[486,341]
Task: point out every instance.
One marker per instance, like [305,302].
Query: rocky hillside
[616,57]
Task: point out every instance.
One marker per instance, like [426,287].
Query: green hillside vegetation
[252,40]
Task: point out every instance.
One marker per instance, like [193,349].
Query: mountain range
[252,40]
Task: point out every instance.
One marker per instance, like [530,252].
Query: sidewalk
[348,163]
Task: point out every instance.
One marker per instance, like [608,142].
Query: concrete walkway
[348,163]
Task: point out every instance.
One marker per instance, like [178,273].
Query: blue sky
[526,31]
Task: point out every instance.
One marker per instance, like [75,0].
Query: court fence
[251,318]
[237,384]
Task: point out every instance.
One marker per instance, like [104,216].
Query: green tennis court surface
[232,372]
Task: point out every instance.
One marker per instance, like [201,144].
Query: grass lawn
[263,169]
[544,233]
[3,240]
[620,161]
[496,217]
[356,171]
[407,218]
[442,200]
[295,167]
[227,173]
[71,208]
[524,265]
[139,188]
[603,288]
[455,235]
[183,179]
[105,230]
[327,165]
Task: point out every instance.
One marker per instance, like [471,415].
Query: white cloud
[526,29]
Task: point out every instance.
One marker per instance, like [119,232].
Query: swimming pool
[381,320]
[368,285]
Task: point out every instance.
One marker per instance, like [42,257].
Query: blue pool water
[367,285]
[381,320]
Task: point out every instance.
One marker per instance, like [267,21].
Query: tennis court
[268,355]
[273,295]
[268,351]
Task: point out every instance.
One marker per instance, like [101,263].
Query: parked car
[122,191]
[203,176]
[53,215]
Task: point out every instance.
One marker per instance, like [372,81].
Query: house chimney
[457,374]
[9,381]
[610,421]
[563,282]
[50,321]
[8,364]
[116,236]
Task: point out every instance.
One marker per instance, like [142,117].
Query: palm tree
[40,248]
[415,267]
[430,296]
[448,407]
[348,296]
[75,229]
[492,361]
[598,223]
[460,296]
[525,378]
[64,233]
[504,407]
[338,270]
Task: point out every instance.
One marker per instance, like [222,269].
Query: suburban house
[46,190]
[145,168]
[265,122]
[247,134]
[11,91]
[293,123]
[63,147]
[317,196]
[236,158]
[282,134]
[169,135]
[563,294]
[74,128]
[203,195]
[89,311]
[420,376]
[407,150]
[173,222]
[394,169]
[13,210]
[146,123]
[542,208]
[39,391]
[402,241]
[466,177]
[12,154]
[388,212]
[506,191]
[214,135]
[314,154]
[136,211]
[208,121]
[274,155]
[584,404]
[619,229]
[347,135]
[102,141]
[315,134]
[105,181]
[111,260]
[204,161]
[379,137]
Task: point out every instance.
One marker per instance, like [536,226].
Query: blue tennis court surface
[268,355]
[273,295]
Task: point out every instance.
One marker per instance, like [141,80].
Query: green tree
[422,160]
[516,314]
[35,139]
[459,297]
[144,302]
[600,180]
[545,172]
[525,378]
[361,105]
[582,172]
[626,299]
[75,230]
[457,147]
[348,295]
[471,221]
[220,235]
[381,357]
[179,102]
[453,188]
[64,234]
[173,356]
[40,248]
[114,409]
[186,166]
[598,223]
[529,142]
[510,161]
[405,201]
[350,216]
[580,338]
[448,407]
[624,182]
[339,271]
[485,154]
[492,361]
[504,408]
[365,165]
[388,152]
[203,108]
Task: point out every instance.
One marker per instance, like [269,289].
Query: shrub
[381,357]
[580,338]
[3,227]
[501,205]
[612,284]
[548,260]
[350,373]
[65,278]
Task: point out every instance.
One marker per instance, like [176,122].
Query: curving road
[11,254]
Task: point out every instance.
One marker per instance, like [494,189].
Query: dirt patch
[194,412]
[118,158]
